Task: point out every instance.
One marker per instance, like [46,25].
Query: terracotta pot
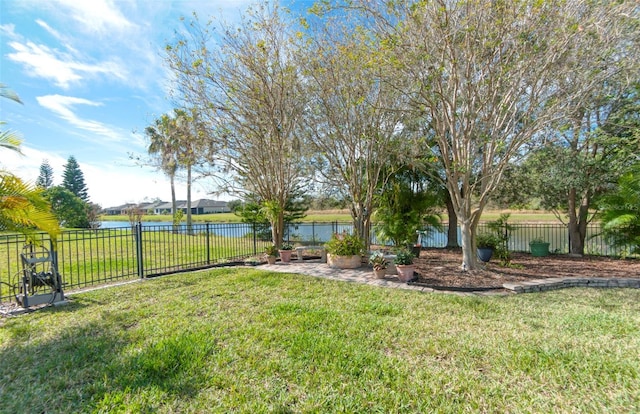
[285,255]
[344,262]
[271,259]
[379,273]
[405,272]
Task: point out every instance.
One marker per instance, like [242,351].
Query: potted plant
[379,263]
[539,248]
[271,253]
[285,252]
[404,264]
[344,251]
[486,243]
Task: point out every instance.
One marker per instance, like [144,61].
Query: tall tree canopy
[163,148]
[490,76]
[356,124]
[70,210]
[177,141]
[246,87]
[73,179]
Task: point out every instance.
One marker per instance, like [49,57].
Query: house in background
[147,207]
[118,210]
[202,206]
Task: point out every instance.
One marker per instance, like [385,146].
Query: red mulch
[441,268]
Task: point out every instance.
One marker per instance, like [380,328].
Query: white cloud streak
[97,16]
[62,106]
[62,68]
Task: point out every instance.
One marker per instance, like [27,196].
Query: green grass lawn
[328,216]
[245,340]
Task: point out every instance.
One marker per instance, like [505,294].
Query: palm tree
[23,208]
[620,216]
[9,139]
[175,142]
[164,145]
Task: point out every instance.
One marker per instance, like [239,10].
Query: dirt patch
[441,268]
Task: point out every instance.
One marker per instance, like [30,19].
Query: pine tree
[73,179]
[45,179]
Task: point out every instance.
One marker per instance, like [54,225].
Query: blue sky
[91,76]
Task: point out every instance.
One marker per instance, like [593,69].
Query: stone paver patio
[364,275]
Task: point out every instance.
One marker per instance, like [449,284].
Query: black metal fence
[556,234]
[94,257]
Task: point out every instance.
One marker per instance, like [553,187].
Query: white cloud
[62,68]
[8,30]
[49,29]
[97,16]
[62,106]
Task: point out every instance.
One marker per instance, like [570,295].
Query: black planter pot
[485,253]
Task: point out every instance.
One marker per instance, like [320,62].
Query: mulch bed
[440,268]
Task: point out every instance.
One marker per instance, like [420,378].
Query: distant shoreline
[517,216]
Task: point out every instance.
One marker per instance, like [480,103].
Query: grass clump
[250,341]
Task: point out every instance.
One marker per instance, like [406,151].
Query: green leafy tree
[248,90]
[256,212]
[70,209]
[491,76]
[355,125]
[620,215]
[45,178]
[73,179]
[406,204]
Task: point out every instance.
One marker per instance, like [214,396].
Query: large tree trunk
[578,215]
[452,229]
[189,223]
[361,217]
[174,204]
[469,256]
[277,229]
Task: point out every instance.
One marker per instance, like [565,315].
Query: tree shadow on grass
[101,366]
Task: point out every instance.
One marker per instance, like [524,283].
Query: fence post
[138,238]
[255,239]
[208,245]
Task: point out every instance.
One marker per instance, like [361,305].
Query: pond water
[314,233]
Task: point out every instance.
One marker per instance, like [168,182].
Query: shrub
[345,245]
[378,261]
[286,246]
[487,240]
[404,257]
[271,250]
